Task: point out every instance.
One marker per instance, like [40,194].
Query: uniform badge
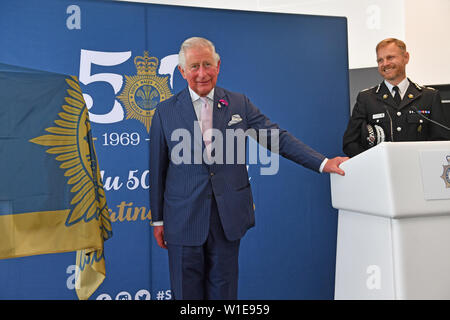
[145,90]
[378,116]
[446,173]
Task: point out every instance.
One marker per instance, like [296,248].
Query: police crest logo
[145,90]
[446,173]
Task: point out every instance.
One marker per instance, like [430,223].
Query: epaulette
[417,86]
[378,88]
[367,89]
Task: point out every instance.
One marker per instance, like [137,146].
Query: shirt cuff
[157,223]
[323,164]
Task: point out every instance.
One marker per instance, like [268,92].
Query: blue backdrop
[293,67]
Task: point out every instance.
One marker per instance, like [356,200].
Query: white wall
[423,25]
[427,25]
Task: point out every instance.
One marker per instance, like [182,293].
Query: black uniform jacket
[376,106]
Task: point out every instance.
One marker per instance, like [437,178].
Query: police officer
[394,110]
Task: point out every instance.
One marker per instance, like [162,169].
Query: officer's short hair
[388,41]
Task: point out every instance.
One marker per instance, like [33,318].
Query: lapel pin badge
[222,102]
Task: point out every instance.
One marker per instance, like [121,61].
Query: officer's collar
[408,81]
[402,86]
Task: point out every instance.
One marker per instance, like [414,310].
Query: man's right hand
[158,233]
[332,165]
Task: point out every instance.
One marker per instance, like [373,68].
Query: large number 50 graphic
[87,58]
[107,59]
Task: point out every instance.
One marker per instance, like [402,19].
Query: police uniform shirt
[402,86]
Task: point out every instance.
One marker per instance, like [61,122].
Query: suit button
[399,113]
[399,129]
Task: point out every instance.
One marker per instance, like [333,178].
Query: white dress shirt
[402,87]
[198,104]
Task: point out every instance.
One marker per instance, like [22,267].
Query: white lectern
[394,222]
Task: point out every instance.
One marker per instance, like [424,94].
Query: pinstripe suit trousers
[206,272]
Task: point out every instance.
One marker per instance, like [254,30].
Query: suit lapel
[220,114]
[187,111]
[189,118]
[385,96]
[412,93]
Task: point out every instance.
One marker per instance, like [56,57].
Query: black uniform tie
[397,98]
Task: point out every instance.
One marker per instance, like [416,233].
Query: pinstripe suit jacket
[181,194]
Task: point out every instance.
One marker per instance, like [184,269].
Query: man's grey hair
[195,42]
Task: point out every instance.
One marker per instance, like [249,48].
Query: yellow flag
[52,197]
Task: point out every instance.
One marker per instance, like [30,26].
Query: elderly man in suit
[201,210]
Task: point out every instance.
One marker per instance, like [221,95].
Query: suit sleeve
[159,162]
[438,114]
[352,140]
[288,146]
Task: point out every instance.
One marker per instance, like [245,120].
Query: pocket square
[235,118]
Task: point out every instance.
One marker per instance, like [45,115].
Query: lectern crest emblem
[145,90]
[446,173]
